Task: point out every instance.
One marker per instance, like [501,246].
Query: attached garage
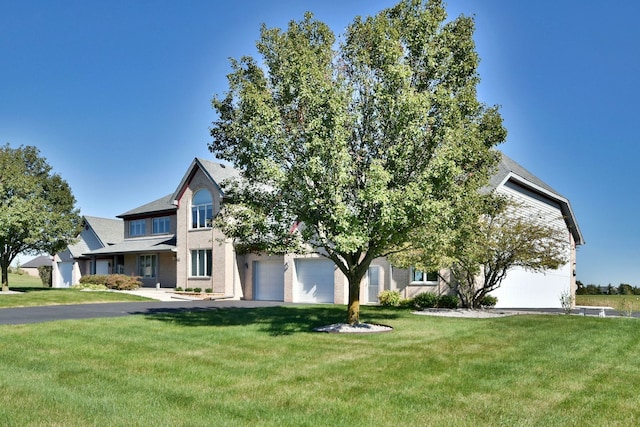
[268,280]
[65,272]
[314,281]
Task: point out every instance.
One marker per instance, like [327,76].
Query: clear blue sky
[116,95]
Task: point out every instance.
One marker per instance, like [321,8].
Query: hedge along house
[169,242]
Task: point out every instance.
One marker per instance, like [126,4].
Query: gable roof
[107,232]
[216,172]
[38,261]
[510,170]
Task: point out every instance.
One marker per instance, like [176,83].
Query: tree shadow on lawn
[276,321]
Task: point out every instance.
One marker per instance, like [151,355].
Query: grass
[264,367]
[622,303]
[32,293]
[24,281]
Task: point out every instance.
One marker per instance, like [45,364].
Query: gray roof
[508,169]
[163,204]
[38,261]
[507,165]
[216,172]
[107,231]
[139,245]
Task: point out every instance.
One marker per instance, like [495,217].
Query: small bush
[120,282]
[178,288]
[197,290]
[488,301]
[425,300]
[389,298]
[209,290]
[90,287]
[45,273]
[188,289]
[448,301]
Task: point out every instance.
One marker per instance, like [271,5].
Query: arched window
[201,209]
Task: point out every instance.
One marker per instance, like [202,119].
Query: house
[169,242]
[31,267]
[72,263]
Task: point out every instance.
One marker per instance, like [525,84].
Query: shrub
[90,287]
[448,301]
[209,290]
[120,282]
[45,272]
[197,290]
[178,288]
[488,301]
[566,300]
[188,289]
[389,298]
[425,300]
[407,303]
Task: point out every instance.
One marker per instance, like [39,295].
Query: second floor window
[137,227]
[201,209]
[161,225]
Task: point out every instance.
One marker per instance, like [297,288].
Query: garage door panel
[315,281]
[268,280]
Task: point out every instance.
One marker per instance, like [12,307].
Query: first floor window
[201,263]
[147,266]
[423,276]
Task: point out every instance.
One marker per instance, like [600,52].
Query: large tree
[37,208]
[359,142]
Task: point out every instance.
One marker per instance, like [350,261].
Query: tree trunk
[353,310]
[5,278]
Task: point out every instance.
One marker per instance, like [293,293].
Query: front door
[373,284]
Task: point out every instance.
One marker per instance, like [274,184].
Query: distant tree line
[621,289]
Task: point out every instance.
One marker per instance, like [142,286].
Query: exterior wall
[530,289]
[165,269]
[148,226]
[225,276]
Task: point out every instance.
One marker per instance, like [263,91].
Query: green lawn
[24,281]
[622,303]
[264,367]
[32,293]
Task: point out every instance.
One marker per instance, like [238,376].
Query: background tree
[359,145]
[37,213]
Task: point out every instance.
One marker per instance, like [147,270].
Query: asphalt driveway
[24,315]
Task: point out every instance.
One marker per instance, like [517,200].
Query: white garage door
[314,281]
[65,270]
[268,280]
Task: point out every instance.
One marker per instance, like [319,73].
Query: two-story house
[170,242]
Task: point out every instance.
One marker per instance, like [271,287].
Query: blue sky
[116,95]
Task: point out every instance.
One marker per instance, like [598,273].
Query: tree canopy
[361,142]
[37,208]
